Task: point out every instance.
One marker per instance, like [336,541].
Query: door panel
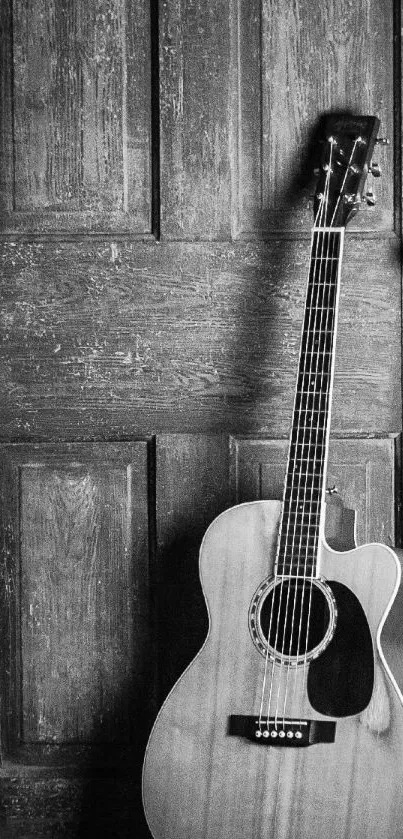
[296,61]
[79,120]
[79,601]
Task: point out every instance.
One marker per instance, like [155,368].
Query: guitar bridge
[268,731]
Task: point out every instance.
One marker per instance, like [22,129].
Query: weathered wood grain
[111,339]
[83,572]
[6,106]
[195,120]
[294,62]
[81,116]
[10,657]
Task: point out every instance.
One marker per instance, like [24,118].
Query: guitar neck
[305,476]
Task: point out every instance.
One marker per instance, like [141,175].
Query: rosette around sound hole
[293,617]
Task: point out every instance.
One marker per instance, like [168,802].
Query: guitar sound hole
[295,617]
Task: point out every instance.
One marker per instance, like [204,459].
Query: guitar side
[199,782]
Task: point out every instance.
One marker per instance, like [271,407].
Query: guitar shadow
[259,364]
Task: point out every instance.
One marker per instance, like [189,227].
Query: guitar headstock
[345,162]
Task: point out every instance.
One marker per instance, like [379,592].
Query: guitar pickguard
[341,679]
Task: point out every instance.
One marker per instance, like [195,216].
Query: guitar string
[295,482]
[320,530]
[330,243]
[324,412]
[303,447]
[327,247]
[274,589]
[312,490]
[280,578]
[300,452]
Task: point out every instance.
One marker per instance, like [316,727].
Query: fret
[295,551]
[314,472]
[322,308]
[291,505]
[317,354]
[318,328]
[320,302]
[307,508]
[313,483]
[311,402]
[308,527]
[300,500]
[309,382]
[306,430]
[305,468]
[317,414]
[297,564]
[306,513]
[294,514]
[317,285]
[299,475]
[310,461]
[320,331]
[308,522]
[290,569]
[305,453]
[294,554]
[291,573]
[316,420]
[294,541]
[299,481]
[293,470]
[299,573]
[304,481]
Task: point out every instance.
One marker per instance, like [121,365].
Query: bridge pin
[281,734]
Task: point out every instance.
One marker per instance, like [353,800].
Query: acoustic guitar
[288,724]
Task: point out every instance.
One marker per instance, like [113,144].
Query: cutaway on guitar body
[203,774]
[289,724]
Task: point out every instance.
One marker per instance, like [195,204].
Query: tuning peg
[370,198]
[383,141]
[375,170]
[332,490]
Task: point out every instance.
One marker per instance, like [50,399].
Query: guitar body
[202,781]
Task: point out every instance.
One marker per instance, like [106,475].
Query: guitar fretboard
[304,483]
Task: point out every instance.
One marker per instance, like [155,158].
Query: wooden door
[155,223]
